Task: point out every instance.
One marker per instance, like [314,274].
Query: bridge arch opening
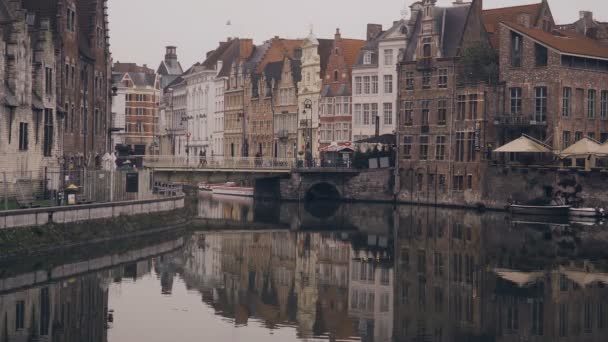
[323,192]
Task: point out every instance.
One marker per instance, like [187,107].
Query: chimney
[245,48]
[373,31]
[586,15]
[171,54]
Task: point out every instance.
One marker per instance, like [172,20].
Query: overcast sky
[140,29]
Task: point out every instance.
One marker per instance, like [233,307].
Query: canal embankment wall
[500,185]
[87,212]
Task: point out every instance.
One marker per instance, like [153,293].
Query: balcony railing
[424,64]
[518,120]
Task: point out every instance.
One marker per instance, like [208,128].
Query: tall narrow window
[591,94]
[516,101]
[440,148]
[540,112]
[48,84]
[407,147]
[48,133]
[374,84]
[409,80]
[23,136]
[388,114]
[426,79]
[567,102]
[426,108]
[442,109]
[424,147]
[473,107]
[459,146]
[541,55]
[565,140]
[388,84]
[366,85]
[461,107]
[443,79]
[408,113]
[374,113]
[19,315]
[358,85]
[604,105]
[336,76]
[471,155]
[366,114]
[516,49]
[388,57]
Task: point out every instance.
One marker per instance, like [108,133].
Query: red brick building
[335,108]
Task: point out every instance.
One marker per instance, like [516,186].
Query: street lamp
[308,106]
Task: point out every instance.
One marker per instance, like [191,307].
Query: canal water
[255,271]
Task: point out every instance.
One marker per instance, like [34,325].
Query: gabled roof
[350,49]
[139,79]
[228,57]
[493,17]
[171,68]
[566,42]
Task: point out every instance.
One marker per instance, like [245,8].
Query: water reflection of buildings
[282,279]
[451,284]
[69,311]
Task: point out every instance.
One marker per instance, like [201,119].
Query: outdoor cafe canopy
[524,144]
[602,150]
[584,147]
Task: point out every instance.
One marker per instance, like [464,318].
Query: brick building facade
[80,34]
[335,108]
[135,108]
[260,96]
[443,119]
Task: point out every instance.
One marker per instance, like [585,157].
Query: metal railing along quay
[213,163]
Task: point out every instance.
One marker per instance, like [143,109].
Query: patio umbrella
[525,144]
[583,147]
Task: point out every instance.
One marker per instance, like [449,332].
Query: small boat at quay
[545,210]
[230,189]
[587,212]
[207,186]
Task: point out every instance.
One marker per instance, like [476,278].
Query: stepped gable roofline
[324,51]
[279,48]
[259,51]
[565,42]
[492,18]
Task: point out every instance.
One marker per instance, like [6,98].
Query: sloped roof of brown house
[493,17]
[324,50]
[567,42]
[351,48]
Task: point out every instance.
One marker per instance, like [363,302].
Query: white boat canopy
[584,147]
[525,144]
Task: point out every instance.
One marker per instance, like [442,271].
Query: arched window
[336,75]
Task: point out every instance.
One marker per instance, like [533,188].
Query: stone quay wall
[500,185]
[80,213]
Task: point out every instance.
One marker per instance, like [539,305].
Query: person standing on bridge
[202,158]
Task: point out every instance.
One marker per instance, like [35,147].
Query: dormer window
[367,58]
[403,30]
[426,48]
[516,49]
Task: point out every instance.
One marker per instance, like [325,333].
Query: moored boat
[207,186]
[586,212]
[231,189]
[546,210]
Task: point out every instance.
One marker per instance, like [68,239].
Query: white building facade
[375,81]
